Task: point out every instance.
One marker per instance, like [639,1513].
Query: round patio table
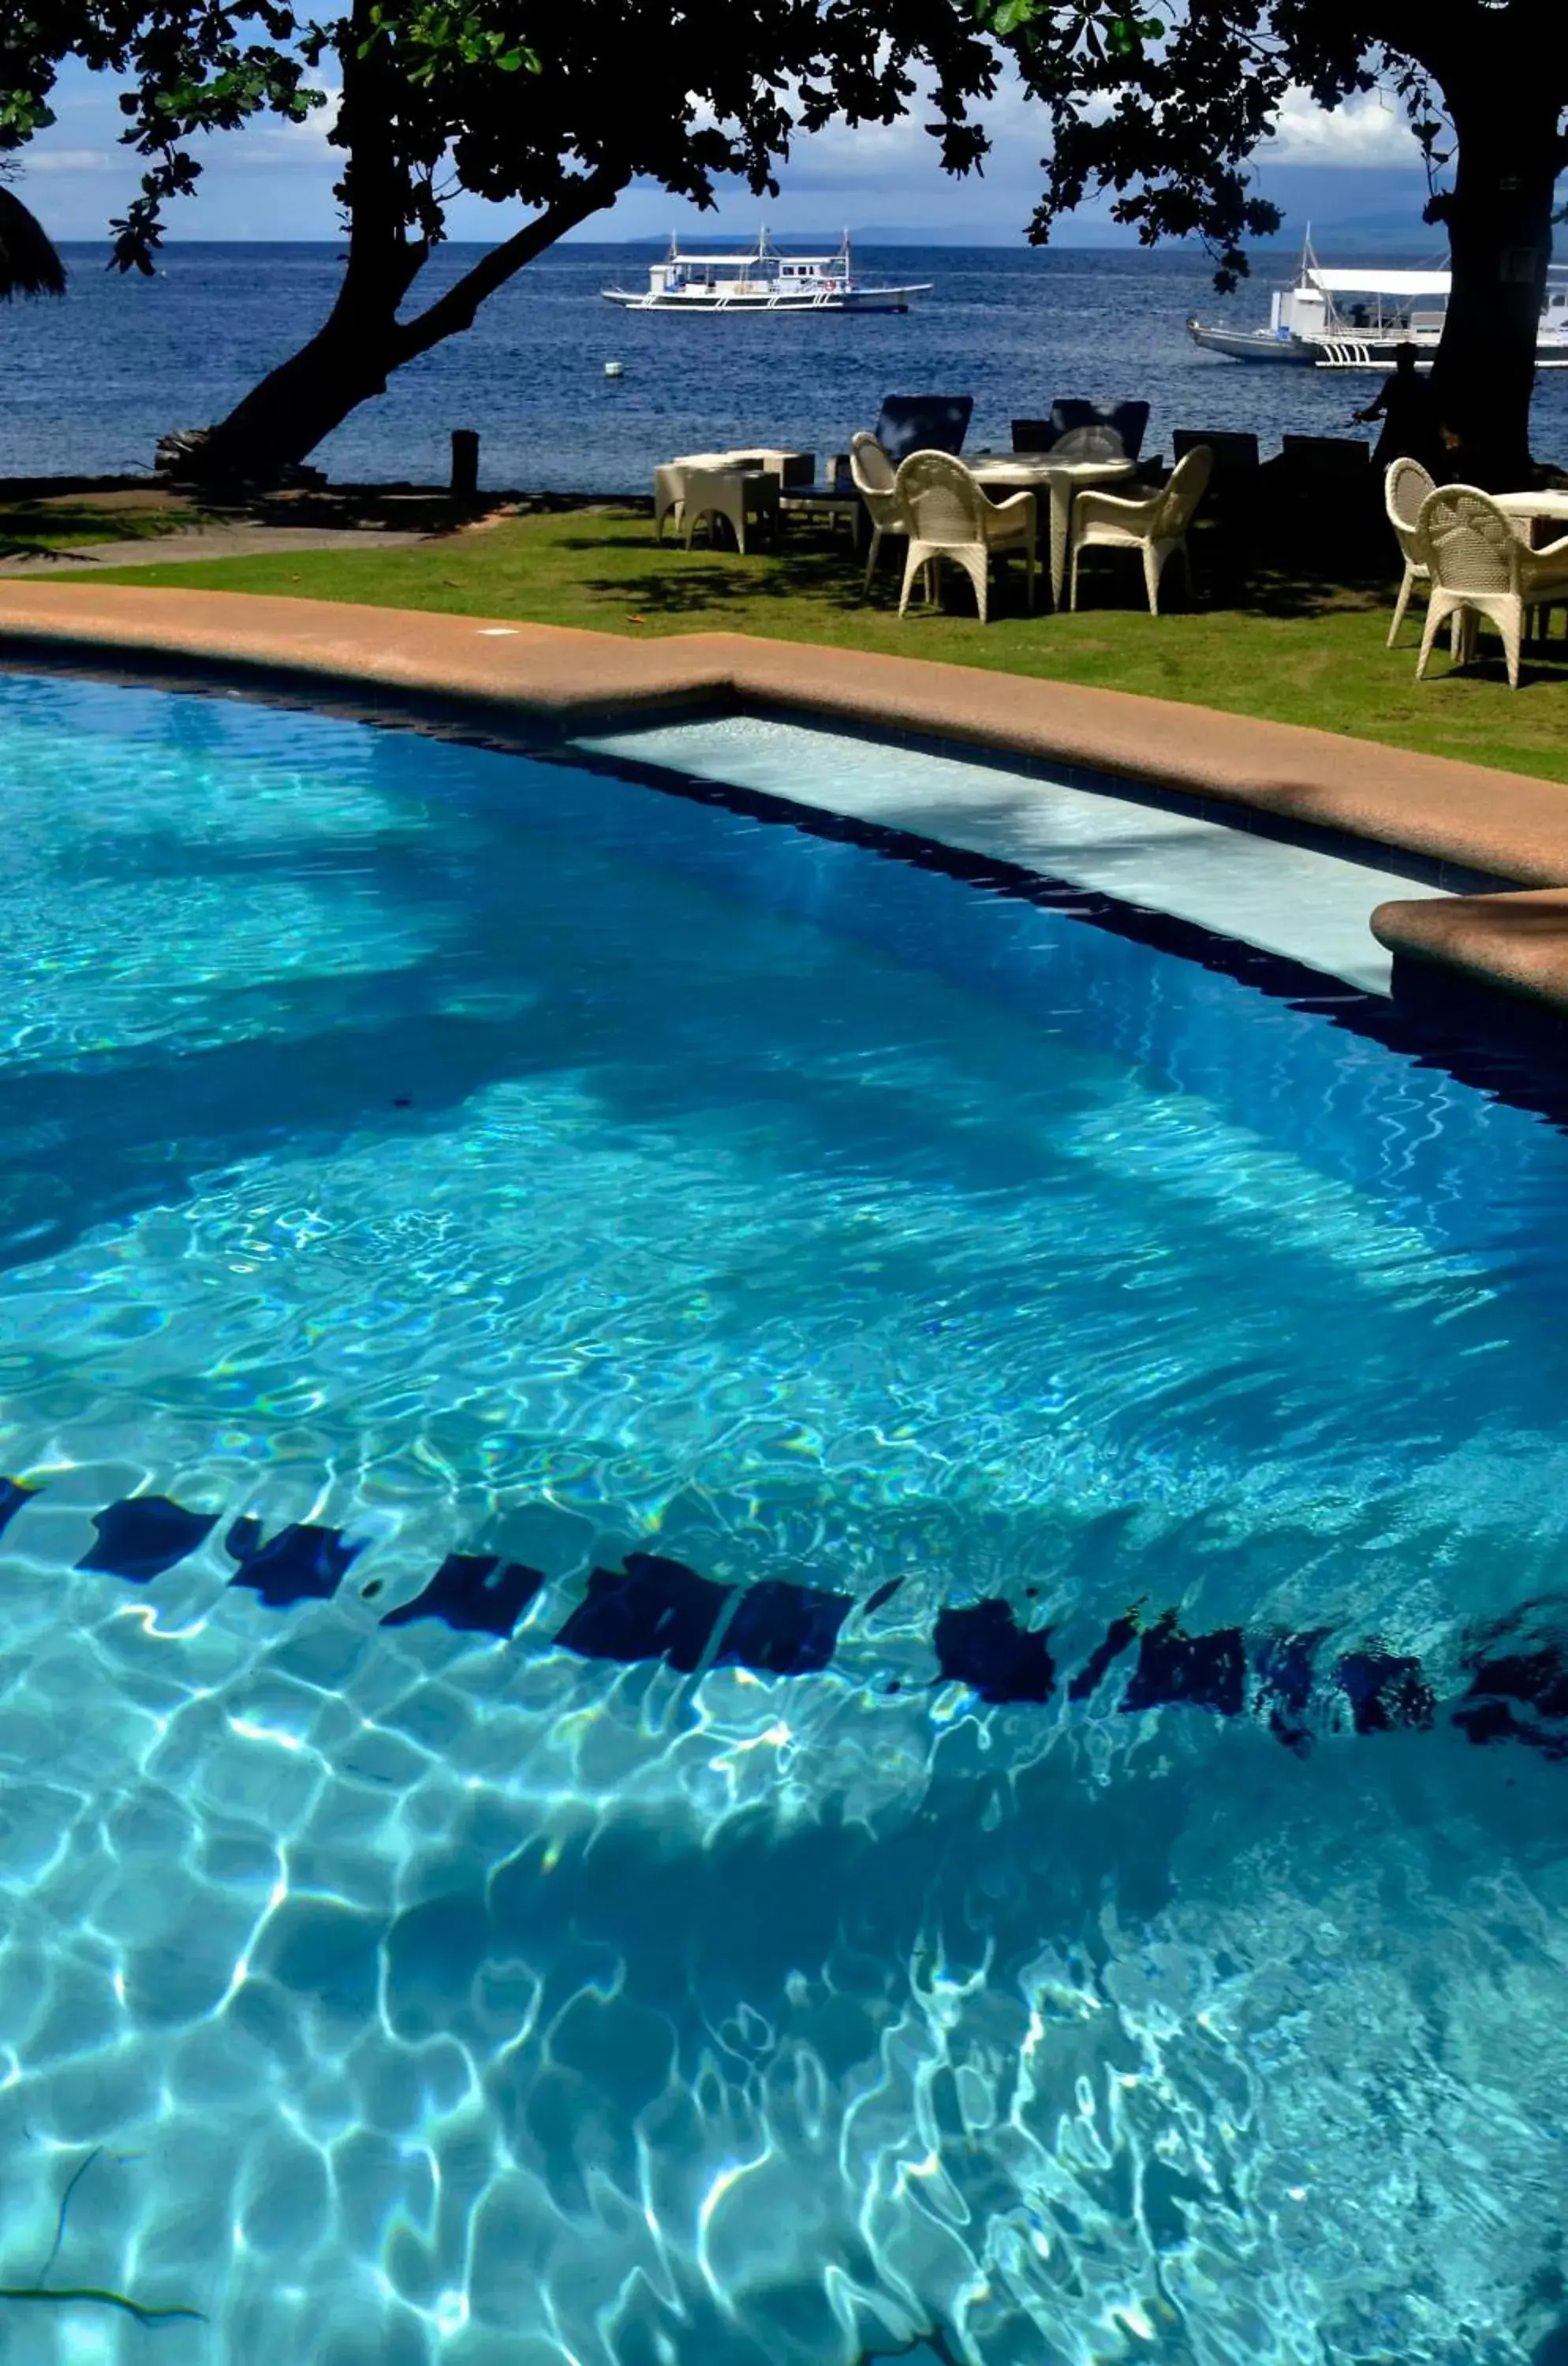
[1527,510]
[1550,508]
[1034,472]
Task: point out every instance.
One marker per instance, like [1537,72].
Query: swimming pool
[756,1609]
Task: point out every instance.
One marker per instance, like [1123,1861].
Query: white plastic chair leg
[1509,626]
[1151,577]
[1435,615]
[1400,605]
[1073,578]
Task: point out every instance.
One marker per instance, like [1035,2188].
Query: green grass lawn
[1272,641]
[61,523]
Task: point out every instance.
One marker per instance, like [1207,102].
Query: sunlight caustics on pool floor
[754,1607]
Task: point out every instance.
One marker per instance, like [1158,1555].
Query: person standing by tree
[1408,409]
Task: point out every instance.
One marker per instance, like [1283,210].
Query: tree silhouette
[1166,110]
[29,264]
[558,110]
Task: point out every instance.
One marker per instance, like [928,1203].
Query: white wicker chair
[1405,486]
[1156,527]
[876,479]
[1481,566]
[951,517]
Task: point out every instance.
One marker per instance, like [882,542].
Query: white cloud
[75,160]
[1370,129]
[270,142]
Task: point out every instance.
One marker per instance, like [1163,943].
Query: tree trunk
[1499,223]
[284,416]
[363,339]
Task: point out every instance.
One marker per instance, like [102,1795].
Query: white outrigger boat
[760,279]
[1356,319]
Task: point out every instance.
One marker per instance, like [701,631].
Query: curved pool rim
[1499,1040]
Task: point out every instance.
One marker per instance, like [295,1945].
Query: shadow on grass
[1539,666]
[689,582]
[1236,569]
[413,509]
[40,529]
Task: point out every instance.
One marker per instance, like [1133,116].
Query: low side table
[791,470]
[825,502]
[735,494]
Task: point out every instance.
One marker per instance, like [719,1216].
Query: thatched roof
[29,264]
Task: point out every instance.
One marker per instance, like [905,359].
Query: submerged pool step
[1297,1684]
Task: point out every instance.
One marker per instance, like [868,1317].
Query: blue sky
[275,181]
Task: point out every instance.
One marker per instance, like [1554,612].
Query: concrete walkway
[1460,818]
[203,541]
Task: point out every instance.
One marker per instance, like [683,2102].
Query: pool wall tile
[14,1493]
[301,1563]
[983,1647]
[655,1609]
[783,1631]
[1196,1671]
[141,1537]
[474,1593]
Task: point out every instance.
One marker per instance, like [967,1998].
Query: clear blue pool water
[415,1151]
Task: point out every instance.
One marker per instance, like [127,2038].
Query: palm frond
[29,264]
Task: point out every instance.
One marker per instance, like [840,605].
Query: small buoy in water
[614,369]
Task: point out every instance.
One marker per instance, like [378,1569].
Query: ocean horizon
[89,385]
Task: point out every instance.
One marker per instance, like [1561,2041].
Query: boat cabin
[759,271]
[1366,303]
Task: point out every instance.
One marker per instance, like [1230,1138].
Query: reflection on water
[451,1155]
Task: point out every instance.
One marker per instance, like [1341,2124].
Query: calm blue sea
[91,383]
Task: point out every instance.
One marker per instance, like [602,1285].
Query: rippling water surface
[96,379]
[445,1152]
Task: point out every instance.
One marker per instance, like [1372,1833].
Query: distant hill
[874,234]
[1361,237]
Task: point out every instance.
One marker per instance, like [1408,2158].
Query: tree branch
[456,310]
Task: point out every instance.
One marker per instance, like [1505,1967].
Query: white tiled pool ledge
[1297,902]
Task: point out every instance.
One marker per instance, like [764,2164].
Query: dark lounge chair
[1130,420]
[1329,456]
[1234,453]
[924,422]
[1323,499]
